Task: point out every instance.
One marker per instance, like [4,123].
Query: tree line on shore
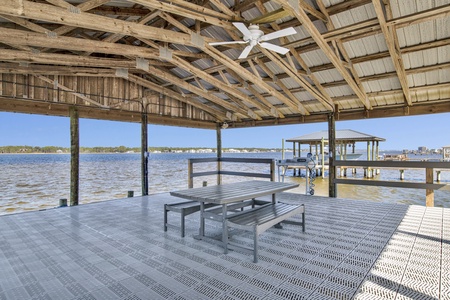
[117,149]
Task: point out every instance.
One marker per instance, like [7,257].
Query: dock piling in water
[62,202]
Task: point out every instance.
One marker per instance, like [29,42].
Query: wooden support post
[429,193]
[438,176]
[74,156]
[377,153]
[190,172]
[322,151]
[219,153]
[402,174]
[373,157]
[332,190]
[368,170]
[144,153]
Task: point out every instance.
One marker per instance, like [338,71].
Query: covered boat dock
[318,143]
[200,64]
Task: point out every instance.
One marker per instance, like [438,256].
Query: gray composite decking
[118,250]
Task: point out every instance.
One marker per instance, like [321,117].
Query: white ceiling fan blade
[278,34]
[242,28]
[246,52]
[274,48]
[227,43]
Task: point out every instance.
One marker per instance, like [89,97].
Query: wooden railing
[219,171]
[428,185]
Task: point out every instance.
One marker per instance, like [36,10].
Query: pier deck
[118,250]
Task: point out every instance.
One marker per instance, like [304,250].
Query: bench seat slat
[262,218]
[262,215]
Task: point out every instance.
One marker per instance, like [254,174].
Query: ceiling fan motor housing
[255,34]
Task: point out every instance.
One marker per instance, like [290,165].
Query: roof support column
[144,153]
[219,152]
[332,190]
[74,155]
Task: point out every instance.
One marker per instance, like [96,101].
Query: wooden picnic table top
[234,192]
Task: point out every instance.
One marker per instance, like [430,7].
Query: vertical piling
[332,189]
[74,155]
[219,153]
[144,153]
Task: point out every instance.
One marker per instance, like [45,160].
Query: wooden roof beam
[69,60]
[49,13]
[85,6]
[393,46]
[189,10]
[339,45]
[196,90]
[291,70]
[300,14]
[273,110]
[74,44]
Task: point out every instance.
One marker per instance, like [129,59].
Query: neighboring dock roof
[345,135]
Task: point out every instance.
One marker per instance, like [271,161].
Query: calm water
[38,181]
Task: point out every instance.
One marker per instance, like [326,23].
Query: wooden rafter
[217,55]
[208,78]
[393,46]
[300,14]
[194,12]
[49,13]
[161,47]
[338,44]
[221,116]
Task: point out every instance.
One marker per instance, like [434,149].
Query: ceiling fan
[253,36]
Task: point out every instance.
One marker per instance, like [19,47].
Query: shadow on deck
[117,250]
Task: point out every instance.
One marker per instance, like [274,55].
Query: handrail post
[190,171]
[272,170]
[429,200]
[219,153]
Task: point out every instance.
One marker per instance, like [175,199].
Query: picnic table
[231,196]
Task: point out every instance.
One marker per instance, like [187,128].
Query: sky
[409,132]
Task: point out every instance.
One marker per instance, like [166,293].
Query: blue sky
[408,132]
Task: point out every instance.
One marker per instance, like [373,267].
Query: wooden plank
[397,184]
[390,35]
[429,199]
[192,11]
[233,173]
[393,164]
[53,14]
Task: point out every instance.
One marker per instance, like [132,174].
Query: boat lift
[307,162]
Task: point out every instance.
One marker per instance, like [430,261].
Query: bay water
[38,181]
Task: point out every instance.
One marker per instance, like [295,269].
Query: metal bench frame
[260,219]
[183,208]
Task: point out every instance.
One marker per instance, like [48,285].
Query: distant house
[446,152]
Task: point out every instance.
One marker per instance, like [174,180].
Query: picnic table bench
[258,220]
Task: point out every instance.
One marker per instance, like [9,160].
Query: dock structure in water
[318,142]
